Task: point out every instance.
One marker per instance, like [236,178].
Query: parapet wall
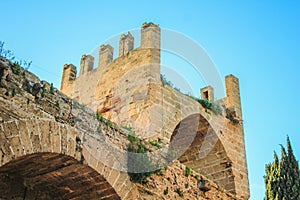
[150,38]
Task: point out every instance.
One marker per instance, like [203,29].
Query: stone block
[36,143]
[44,128]
[16,146]
[24,136]
[11,129]
[63,139]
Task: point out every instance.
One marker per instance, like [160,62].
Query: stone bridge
[52,147]
[45,150]
[129,91]
[45,155]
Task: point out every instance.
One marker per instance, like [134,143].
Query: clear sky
[258,41]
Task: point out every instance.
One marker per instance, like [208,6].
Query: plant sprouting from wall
[8,54]
[187,171]
[231,115]
[138,158]
[215,107]
[57,104]
[43,91]
[51,89]
[99,117]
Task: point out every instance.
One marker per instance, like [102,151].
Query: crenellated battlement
[70,71]
[126,44]
[106,53]
[86,64]
[150,38]
[68,79]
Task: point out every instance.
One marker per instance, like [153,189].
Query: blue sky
[258,41]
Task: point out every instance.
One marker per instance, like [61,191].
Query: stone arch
[52,176]
[202,149]
[24,137]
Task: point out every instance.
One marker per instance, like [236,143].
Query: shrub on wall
[139,160]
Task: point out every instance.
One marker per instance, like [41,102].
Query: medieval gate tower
[128,90]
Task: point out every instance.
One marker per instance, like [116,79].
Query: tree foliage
[282,178]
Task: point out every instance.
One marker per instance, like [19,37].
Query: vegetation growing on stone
[166,191]
[139,160]
[17,68]
[109,123]
[128,128]
[57,118]
[51,89]
[159,172]
[282,179]
[132,138]
[43,91]
[187,171]
[9,55]
[75,104]
[155,143]
[98,116]
[165,81]
[57,104]
[213,106]
[179,192]
[13,93]
[231,115]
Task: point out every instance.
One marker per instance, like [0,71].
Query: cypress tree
[293,174]
[272,175]
[282,177]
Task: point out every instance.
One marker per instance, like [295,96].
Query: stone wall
[42,131]
[37,119]
[172,183]
[129,91]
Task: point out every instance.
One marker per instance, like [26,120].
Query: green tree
[282,177]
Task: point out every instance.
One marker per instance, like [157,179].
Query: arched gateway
[52,176]
[45,159]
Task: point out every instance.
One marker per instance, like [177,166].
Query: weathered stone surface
[25,137]
[171,183]
[52,176]
[33,127]
[36,89]
[38,121]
